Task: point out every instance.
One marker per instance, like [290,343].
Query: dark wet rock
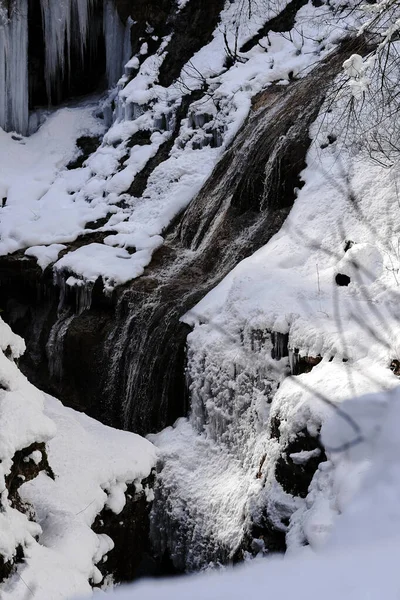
[86,146]
[275,424]
[192,29]
[331,139]
[140,138]
[279,345]
[132,556]
[342,279]
[7,567]
[265,536]
[302,364]
[395,367]
[25,469]
[283,21]
[348,244]
[296,478]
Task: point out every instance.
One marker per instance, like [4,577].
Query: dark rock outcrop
[295,478]
[23,469]
[132,556]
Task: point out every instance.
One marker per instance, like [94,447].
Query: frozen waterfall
[117,40]
[64,23]
[14,66]
[67,31]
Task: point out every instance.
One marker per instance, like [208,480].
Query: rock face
[133,555]
[24,469]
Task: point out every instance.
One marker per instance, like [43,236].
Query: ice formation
[277,350]
[117,40]
[66,31]
[13,61]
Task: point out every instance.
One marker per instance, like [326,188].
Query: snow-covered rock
[59,471]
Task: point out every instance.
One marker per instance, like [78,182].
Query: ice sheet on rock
[117,41]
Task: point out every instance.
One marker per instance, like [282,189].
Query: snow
[45,255]
[352,517]
[39,207]
[60,203]
[22,423]
[21,405]
[92,464]
[238,391]
[354,574]
[115,265]
[36,456]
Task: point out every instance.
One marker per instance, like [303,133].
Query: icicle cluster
[118,42]
[66,32]
[64,23]
[14,66]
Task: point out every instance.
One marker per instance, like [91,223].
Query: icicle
[164,122]
[293,361]
[83,293]
[65,25]
[55,345]
[118,42]
[280,345]
[69,285]
[14,67]
[133,111]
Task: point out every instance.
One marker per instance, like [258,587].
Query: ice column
[118,42]
[66,32]
[14,66]
[65,24]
